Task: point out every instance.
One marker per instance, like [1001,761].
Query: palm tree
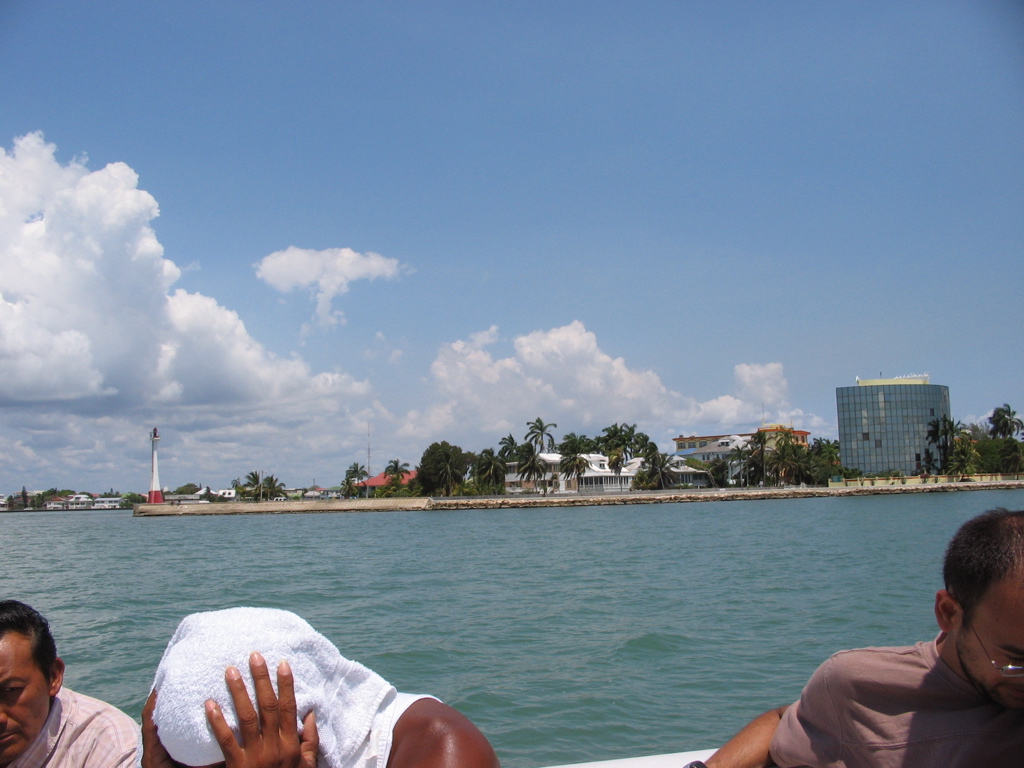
[964,458]
[659,470]
[942,433]
[349,488]
[539,434]
[532,468]
[507,447]
[272,487]
[574,466]
[615,461]
[396,470]
[489,470]
[739,457]
[254,484]
[356,472]
[1011,457]
[449,472]
[1004,422]
[756,469]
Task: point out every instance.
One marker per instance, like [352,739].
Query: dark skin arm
[430,734]
[749,747]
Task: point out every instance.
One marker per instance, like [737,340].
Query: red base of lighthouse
[156,497]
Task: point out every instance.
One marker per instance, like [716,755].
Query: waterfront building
[883,423]
[598,478]
[377,482]
[692,445]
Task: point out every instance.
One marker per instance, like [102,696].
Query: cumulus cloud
[562,374]
[326,273]
[95,342]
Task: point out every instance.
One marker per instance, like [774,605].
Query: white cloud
[327,273]
[563,375]
[762,383]
[95,347]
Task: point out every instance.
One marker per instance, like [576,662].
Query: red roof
[383,479]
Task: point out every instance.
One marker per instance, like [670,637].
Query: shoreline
[409,504]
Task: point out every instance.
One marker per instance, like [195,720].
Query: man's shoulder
[96,733]
[82,708]
[876,662]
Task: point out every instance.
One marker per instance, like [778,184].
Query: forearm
[749,747]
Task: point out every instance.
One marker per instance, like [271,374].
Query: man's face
[996,634]
[25,695]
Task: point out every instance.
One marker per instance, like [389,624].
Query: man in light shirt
[956,701]
[43,724]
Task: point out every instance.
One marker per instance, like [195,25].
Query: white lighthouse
[156,496]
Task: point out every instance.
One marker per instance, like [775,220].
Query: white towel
[346,696]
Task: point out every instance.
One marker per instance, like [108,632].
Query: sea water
[566,634]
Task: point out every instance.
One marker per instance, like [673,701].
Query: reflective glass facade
[885,427]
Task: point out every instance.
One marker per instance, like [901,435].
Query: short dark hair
[26,620]
[986,549]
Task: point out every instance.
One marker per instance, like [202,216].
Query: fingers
[310,744]
[248,720]
[222,732]
[286,701]
[266,699]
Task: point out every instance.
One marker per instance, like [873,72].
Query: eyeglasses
[1006,670]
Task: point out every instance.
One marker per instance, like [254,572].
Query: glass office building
[883,423]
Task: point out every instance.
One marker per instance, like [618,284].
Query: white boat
[672,760]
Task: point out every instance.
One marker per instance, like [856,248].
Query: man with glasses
[957,701]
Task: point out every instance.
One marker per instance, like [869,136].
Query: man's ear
[948,612]
[56,676]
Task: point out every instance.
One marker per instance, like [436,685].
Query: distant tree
[187,489]
[442,468]
[489,471]
[964,458]
[531,467]
[539,434]
[396,470]
[349,488]
[134,498]
[1004,422]
[254,485]
[825,462]
[507,447]
[573,466]
[978,431]
[942,432]
[272,488]
[658,471]
[1012,456]
[356,472]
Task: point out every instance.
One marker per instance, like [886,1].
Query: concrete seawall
[557,500]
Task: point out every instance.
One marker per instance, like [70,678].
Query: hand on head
[269,733]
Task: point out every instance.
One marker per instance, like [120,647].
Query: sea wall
[554,500]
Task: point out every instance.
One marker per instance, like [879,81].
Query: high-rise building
[883,423]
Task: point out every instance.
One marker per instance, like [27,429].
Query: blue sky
[439,221]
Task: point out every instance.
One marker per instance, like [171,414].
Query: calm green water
[565,634]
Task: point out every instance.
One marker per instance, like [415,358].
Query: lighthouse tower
[156,496]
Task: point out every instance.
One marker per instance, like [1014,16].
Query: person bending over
[42,723]
[955,702]
[327,711]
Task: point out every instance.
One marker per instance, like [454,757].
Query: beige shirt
[896,708]
[82,732]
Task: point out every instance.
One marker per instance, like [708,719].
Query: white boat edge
[672,760]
